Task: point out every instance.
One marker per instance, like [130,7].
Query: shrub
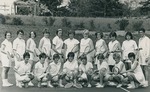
[51,21]
[80,25]
[66,23]
[122,23]
[17,21]
[137,25]
[92,25]
[45,20]
[2,19]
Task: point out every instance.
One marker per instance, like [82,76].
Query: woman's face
[116,59]
[85,35]
[71,36]
[42,60]
[131,59]
[20,35]
[98,36]
[32,35]
[56,60]
[46,35]
[27,59]
[8,36]
[141,33]
[128,37]
[70,59]
[59,33]
[84,61]
[112,38]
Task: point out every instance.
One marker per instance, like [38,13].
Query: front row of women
[71,73]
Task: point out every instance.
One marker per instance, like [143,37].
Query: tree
[145,9]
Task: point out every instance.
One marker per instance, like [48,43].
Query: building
[7,7]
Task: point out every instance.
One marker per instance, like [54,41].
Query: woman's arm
[28,46]
[41,45]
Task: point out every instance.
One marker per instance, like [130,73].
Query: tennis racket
[100,51]
[18,57]
[115,48]
[116,70]
[86,48]
[74,48]
[46,52]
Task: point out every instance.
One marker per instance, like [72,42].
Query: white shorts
[5,61]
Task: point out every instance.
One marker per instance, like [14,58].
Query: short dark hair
[71,32]
[116,55]
[100,56]
[129,34]
[32,32]
[101,34]
[58,31]
[142,29]
[55,56]
[113,34]
[42,55]
[46,31]
[20,31]
[26,54]
[83,57]
[131,55]
[70,54]
[7,33]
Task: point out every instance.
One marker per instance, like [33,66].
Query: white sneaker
[89,86]
[50,85]
[60,85]
[7,84]
[112,84]
[43,83]
[119,85]
[97,84]
[145,84]
[39,85]
[131,87]
[30,84]
[100,86]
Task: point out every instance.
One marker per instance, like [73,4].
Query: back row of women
[83,52]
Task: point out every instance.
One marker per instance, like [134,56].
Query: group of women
[83,47]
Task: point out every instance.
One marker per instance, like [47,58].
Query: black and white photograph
[74,45]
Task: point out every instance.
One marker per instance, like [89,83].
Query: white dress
[85,46]
[8,48]
[118,65]
[19,46]
[113,46]
[128,46]
[138,73]
[54,68]
[100,48]
[46,47]
[58,42]
[71,46]
[22,68]
[32,47]
[144,43]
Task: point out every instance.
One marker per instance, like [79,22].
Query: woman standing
[100,46]
[31,45]
[129,45]
[86,46]
[71,44]
[58,42]
[6,54]
[18,49]
[114,47]
[45,43]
